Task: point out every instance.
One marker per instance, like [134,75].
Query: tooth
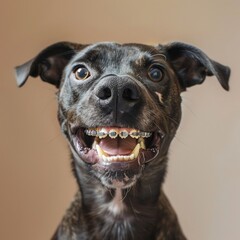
[93,133]
[86,132]
[90,132]
[123,134]
[120,158]
[134,134]
[145,134]
[142,143]
[100,152]
[102,133]
[105,158]
[149,134]
[113,133]
[132,156]
[94,146]
[142,134]
[136,150]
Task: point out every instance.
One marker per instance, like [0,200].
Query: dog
[119,106]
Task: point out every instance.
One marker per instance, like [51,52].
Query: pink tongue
[118,146]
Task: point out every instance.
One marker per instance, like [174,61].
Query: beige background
[36,184]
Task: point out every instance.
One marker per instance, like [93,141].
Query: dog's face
[119,105]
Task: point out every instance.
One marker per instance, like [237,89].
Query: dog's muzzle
[117,147]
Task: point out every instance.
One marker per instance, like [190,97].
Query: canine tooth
[142,143]
[132,156]
[123,134]
[100,152]
[136,150]
[94,146]
[112,133]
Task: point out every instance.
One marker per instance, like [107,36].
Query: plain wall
[36,184]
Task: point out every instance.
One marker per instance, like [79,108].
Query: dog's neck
[122,211]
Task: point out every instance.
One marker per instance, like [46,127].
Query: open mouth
[109,145]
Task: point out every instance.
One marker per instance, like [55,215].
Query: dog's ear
[48,64]
[192,65]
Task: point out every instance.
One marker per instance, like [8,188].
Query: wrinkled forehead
[116,55]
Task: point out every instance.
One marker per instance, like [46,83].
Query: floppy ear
[48,64]
[192,65]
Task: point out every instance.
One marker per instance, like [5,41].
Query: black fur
[120,93]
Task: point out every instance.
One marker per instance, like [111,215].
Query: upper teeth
[115,132]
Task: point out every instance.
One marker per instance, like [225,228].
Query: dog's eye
[155,73]
[81,73]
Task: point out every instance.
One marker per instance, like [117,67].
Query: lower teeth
[118,158]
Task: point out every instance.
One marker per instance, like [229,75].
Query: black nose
[117,94]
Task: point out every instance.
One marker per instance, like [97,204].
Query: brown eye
[81,73]
[155,73]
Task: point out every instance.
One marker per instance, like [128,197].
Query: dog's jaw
[118,160]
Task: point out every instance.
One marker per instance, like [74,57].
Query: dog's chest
[112,220]
[116,206]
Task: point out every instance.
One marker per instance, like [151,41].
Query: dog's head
[119,105]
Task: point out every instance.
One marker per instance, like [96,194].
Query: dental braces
[103,133]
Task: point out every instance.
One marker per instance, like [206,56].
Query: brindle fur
[144,211]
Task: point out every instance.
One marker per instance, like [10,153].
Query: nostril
[130,94]
[104,93]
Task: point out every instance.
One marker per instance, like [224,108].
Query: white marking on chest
[116,206]
[159,97]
